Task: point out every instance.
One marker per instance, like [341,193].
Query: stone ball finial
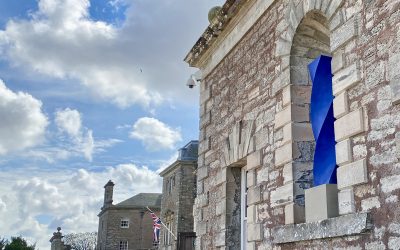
[58,229]
[213,13]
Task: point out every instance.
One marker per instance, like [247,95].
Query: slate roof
[142,200]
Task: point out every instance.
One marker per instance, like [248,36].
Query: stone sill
[346,225]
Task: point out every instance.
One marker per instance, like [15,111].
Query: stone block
[202,173]
[321,202]
[201,227]
[346,202]
[286,96]
[343,34]
[308,5]
[370,203]
[297,172]
[394,76]
[282,47]
[346,78]
[220,177]
[332,8]
[220,207]
[220,239]
[292,113]
[254,232]
[301,94]
[254,160]
[282,195]
[398,144]
[343,152]
[352,174]
[287,133]
[251,178]
[300,113]
[254,195]
[283,117]
[252,214]
[302,132]
[340,105]
[201,200]
[288,173]
[200,187]
[251,245]
[391,183]
[349,125]
[345,225]
[337,61]
[294,214]
[284,154]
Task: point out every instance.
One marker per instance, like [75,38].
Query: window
[124,223]
[123,245]
[167,231]
[243,208]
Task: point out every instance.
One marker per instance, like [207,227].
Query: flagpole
[164,225]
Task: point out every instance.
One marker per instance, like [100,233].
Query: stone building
[128,224]
[57,242]
[256,148]
[179,190]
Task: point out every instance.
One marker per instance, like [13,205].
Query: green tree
[3,243]
[18,243]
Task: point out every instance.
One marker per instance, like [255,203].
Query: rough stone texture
[179,185]
[352,174]
[254,160]
[263,71]
[343,34]
[394,76]
[346,202]
[345,225]
[255,232]
[349,125]
[282,195]
[346,78]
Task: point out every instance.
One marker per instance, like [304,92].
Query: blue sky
[90,91]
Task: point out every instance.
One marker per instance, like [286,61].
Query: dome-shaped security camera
[193,79]
[191,82]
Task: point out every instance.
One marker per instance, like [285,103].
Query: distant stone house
[255,178]
[127,225]
[179,190]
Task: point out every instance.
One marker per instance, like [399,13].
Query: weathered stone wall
[179,201]
[249,90]
[139,234]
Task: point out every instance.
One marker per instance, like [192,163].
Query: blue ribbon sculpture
[322,121]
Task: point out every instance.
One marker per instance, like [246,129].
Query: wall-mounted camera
[194,79]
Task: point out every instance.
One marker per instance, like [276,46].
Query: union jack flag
[156,227]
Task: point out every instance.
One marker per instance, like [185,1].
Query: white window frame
[124,223]
[243,209]
[123,245]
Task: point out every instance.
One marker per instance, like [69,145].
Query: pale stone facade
[179,190]
[254,119]
[127,225]
[57,242]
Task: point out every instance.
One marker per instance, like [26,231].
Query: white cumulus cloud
[138,62]
[67,198]
[69,121]
[154,134]
[23,123]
